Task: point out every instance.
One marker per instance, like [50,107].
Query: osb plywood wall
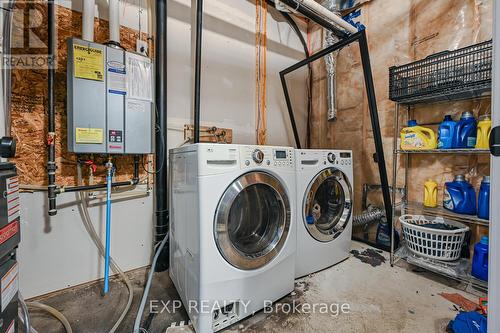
[29,103]
[399,32]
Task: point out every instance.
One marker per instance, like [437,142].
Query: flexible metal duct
[371,215]
[331,63]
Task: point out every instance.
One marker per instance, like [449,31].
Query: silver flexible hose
[373,214]
[87,222]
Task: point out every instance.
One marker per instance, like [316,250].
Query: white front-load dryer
[324,208]
[232,229]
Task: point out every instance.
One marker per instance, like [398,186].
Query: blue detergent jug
[468,322]
[446,133]
[466,131]
[480,260]
[460,196]
[483,202]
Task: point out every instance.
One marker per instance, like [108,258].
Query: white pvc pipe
[323,11]
[88,15]
[114,21]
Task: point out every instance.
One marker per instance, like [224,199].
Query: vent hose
[371,215]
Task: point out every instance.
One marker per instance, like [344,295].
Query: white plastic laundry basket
[444,245]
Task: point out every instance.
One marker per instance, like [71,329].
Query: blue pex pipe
[109,181]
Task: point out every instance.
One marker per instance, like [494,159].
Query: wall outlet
[142,47]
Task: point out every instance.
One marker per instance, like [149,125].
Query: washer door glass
[327,205]
[252,220]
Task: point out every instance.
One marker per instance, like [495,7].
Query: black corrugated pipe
[197,73]
[51,135]
[161,190]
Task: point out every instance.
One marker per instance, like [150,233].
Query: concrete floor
[380,299]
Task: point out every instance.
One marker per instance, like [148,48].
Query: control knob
[331,157]
[258,156]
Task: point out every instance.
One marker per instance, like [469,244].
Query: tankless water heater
[110,100]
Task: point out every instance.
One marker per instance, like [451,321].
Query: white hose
[58,315]
[87,222]
[140,312]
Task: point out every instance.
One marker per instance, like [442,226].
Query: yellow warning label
[89,135]
[88,62]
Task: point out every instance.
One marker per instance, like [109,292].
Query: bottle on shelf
[460,196]
[446,133]
[483,132]
[480,259]
[415,137]
[430,194]
[466,131]
[483,202]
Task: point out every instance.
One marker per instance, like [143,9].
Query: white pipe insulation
[88,15]
[323,11]
[114,21]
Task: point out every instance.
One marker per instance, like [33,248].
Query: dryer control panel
[338,158]
[267,156]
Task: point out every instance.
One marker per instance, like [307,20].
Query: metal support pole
[51,129]
[197,73]
[377,135]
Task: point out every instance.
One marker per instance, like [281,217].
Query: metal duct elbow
[88,15]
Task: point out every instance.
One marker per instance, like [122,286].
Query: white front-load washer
[324,208]
[232,230]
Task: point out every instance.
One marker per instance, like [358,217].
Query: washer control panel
[267,156]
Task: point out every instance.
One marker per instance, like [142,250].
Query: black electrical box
[9,281]
[8,318]
[9,209]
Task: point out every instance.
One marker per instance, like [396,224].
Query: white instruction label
[139,77]
[13,204]
[9,285]
[117,83]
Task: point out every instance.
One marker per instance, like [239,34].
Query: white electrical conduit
[114,21]
[323,11]
[88,15]
[87,222]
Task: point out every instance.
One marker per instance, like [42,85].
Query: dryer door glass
[328,205]
[252,220]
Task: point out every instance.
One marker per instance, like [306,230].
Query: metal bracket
[495,141]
